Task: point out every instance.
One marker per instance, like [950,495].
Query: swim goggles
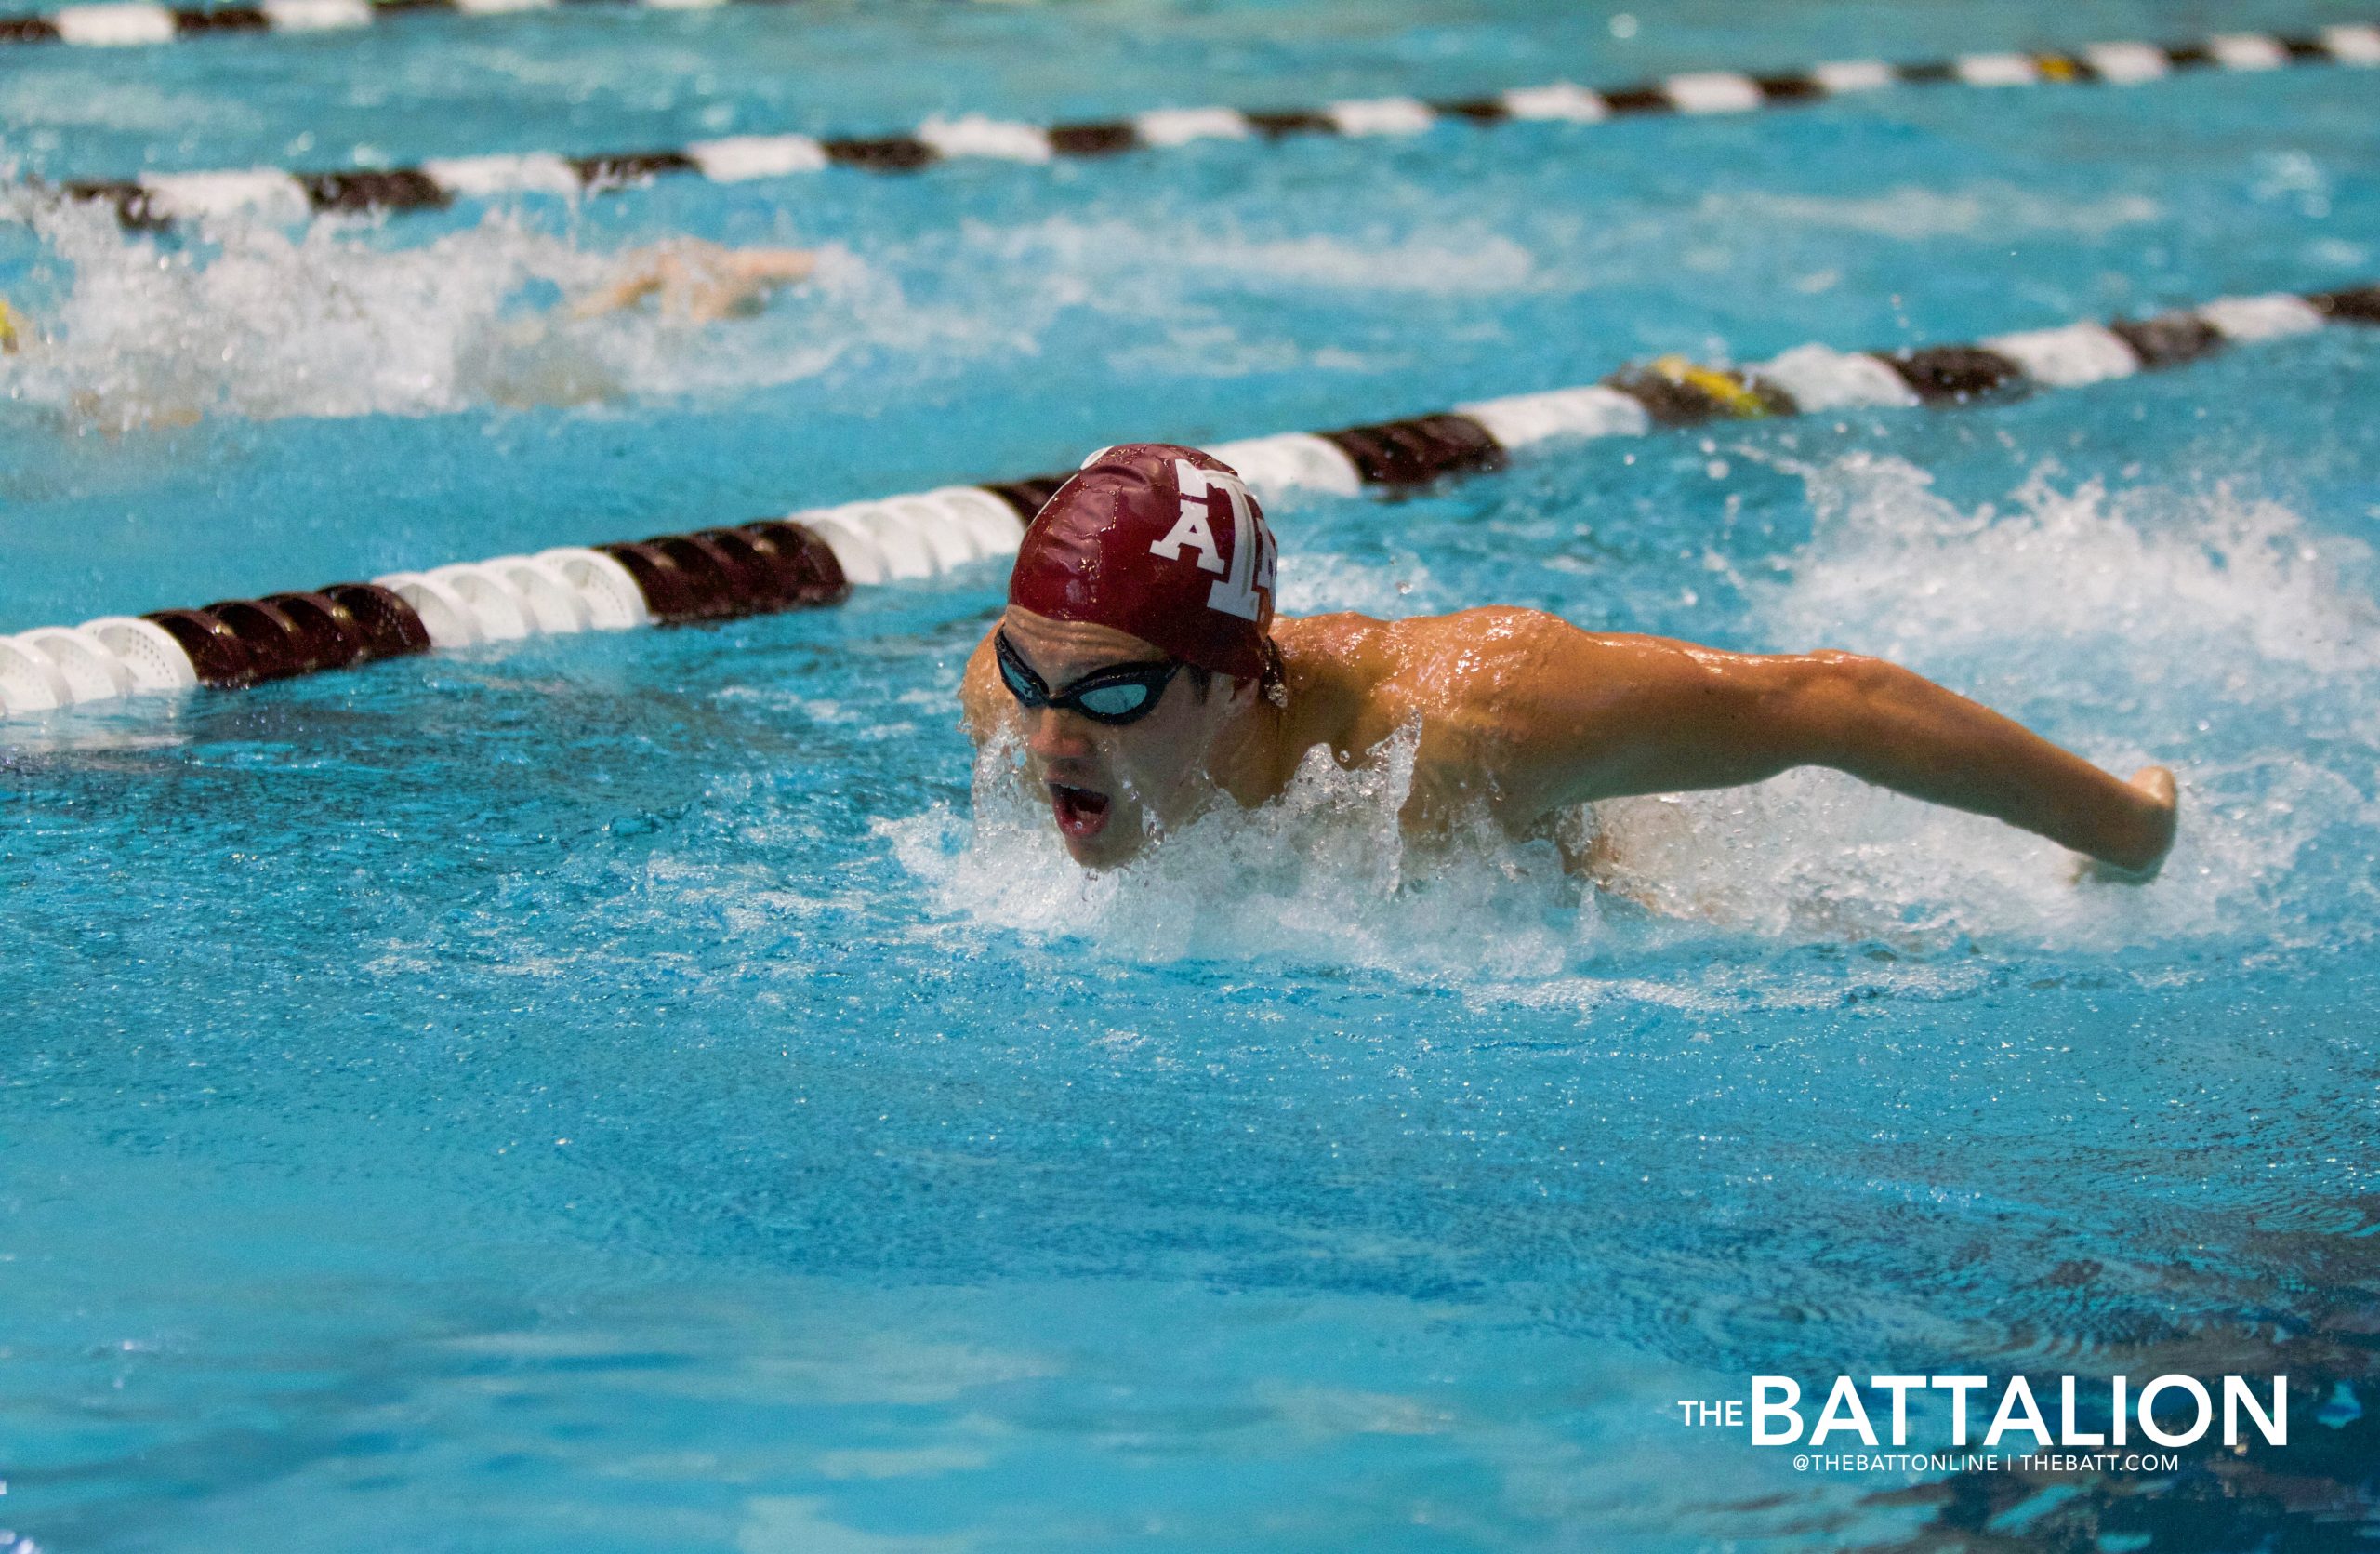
[1119,694]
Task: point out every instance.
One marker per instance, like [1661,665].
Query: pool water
[635,1092]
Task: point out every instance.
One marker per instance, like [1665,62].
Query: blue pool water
[629,1093]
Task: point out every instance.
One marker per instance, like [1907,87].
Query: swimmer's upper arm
[1575,716]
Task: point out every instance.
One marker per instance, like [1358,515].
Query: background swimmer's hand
[2157,783]
[697,281]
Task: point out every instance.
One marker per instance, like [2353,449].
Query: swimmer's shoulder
[1338,655]
[1354,680]
[1337,637]
[1332,667]
[1435,655]
[1348,636]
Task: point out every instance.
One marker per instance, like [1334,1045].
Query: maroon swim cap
[1161,542]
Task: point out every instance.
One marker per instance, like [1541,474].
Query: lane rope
[157,200]
[815,558]
[134,23]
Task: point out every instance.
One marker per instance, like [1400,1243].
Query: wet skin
[1521,716]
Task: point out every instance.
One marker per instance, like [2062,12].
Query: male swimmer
[1142,671]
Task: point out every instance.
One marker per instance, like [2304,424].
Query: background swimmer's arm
[1597,717]
[697,280]
[625,291]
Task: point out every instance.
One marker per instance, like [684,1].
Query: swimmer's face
[1109,786]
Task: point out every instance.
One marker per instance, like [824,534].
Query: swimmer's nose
[1056,735]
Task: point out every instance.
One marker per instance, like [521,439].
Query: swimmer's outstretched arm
[1597,717]
[697,280]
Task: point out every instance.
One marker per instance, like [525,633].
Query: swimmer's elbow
[1830,708]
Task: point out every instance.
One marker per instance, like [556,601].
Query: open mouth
[1082,812]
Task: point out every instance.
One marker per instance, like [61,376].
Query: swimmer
[697,281]
[538,360]
[1141,669]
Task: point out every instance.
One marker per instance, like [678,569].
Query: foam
[334,320]
[92,92]
[264,323]
[1469,260]
[1911,213]
[1318,582]
[269,324]
[2210,631]
[2149,565]
[1322,875]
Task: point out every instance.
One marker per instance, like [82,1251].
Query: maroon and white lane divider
[159,199]
[816,557]
[132,23]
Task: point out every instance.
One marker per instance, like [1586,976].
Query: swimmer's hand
[2157,783]
[698,282]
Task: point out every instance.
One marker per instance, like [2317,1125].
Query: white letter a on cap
[1192,529]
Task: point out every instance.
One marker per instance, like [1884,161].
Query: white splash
[329,320]
[1323,874]
[1913,213]
[37,105]
[238,316]
[1437,260]
[2149,573]
[1319,582]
